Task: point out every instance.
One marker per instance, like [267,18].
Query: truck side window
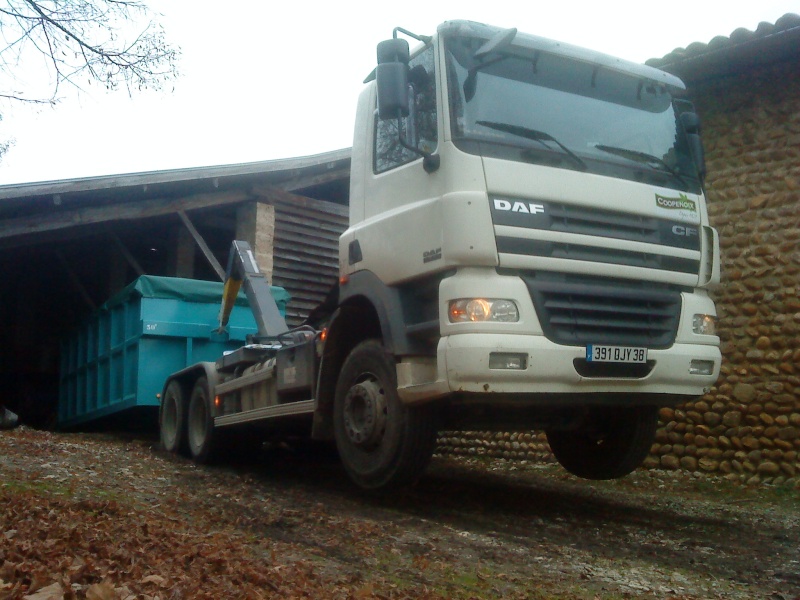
[419,128]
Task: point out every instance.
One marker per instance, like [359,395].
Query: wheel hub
[365,414]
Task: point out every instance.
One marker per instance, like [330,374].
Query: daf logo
[529,208]
[684,231]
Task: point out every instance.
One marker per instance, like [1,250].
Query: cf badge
[685,231]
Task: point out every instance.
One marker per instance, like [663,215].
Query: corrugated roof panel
[743,48]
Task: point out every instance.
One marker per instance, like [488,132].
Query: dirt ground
[109,517]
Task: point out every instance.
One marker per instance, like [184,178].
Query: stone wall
[528,445]
[748,426]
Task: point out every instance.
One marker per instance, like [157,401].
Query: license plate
[616,354]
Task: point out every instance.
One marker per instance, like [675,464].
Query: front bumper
[462,365]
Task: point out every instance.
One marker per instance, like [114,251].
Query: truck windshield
[534,106]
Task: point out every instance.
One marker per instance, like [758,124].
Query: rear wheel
[200,423]
[610,444]
[382,442]
[172,417]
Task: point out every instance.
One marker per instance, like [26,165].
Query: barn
[68,246]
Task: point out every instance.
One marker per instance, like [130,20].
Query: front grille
[512,245]
[602,223]
[594,222]
[577,311]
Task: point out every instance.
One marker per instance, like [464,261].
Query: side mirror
[691,125]
[392,79]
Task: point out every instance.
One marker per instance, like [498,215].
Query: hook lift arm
[243,270]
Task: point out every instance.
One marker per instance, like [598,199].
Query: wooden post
[117,274]
[181,253]
[255,224]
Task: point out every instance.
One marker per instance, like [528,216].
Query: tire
[172,418]
[611,444]
[382,443]
[200,423]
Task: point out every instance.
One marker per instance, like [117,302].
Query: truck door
[402,227]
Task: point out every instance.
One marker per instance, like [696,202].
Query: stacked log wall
[748,427]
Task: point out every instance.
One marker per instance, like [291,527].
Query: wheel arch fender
[351,323]
[367,308]
[387,303]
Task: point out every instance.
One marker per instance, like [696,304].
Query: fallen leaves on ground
[57,545]
[108,552]
[110,517]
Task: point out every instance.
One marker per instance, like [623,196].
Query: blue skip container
[121,357]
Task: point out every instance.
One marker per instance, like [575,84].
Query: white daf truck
[528,248]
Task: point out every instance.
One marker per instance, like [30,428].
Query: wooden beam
[76,282]
[126,253]
[305,181]
[203,246]
[273,195]
[214,220]
[116,212]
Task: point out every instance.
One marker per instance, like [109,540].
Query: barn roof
[740,50]
[322,175]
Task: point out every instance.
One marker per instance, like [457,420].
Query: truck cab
[529,241]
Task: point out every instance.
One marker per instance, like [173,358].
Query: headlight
[478,310]
[704,324]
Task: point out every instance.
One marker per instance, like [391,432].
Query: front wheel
[610,444]
[382,442]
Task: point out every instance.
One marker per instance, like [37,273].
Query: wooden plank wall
[306,259]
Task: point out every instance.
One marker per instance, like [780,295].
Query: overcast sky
[266,80]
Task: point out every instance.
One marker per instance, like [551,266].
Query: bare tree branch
[66,40]
[18,98]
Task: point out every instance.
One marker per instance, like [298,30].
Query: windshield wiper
[644,158]
[536,136]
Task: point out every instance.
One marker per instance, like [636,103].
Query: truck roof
[534,42]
